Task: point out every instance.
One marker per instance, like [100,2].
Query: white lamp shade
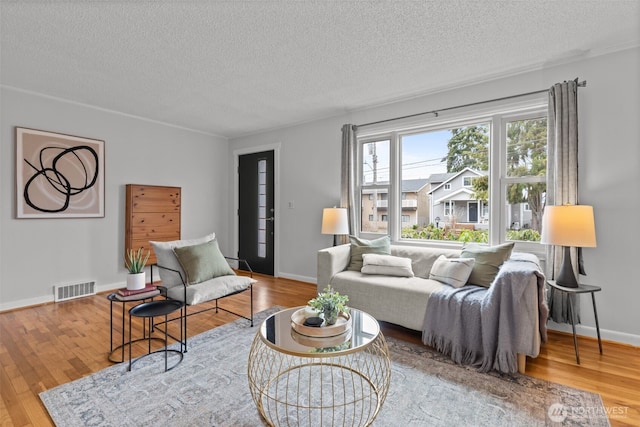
[335,221]
[569,225]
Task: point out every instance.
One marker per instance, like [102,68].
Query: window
[484,179]
[447,209]
[375,168]
[526,176]
[262,208]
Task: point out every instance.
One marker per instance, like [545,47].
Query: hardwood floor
[51,344]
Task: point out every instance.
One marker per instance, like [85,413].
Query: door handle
[270,219]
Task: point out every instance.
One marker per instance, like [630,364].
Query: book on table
[138,296]
[126,292]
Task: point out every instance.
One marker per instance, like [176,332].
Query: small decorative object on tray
[314,322]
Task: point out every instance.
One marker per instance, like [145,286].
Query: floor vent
[78,290]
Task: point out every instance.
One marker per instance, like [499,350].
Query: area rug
[210,388]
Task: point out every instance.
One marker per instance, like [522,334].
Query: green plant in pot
[330,303]
[135,261]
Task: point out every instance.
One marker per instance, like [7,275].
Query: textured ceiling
[237,67]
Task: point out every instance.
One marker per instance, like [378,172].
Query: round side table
[119,348]
[295,379]
[147,311]
[581,289]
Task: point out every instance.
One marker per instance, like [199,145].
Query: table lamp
[568,226]
[335,221]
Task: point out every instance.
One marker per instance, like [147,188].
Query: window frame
[496,115]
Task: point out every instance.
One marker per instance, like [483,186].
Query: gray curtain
[562,182]
[348,177]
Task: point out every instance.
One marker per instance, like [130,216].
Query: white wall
[609,127]
[37,254]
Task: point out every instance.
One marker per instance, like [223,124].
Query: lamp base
[565,276]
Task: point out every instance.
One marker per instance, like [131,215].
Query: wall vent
[77,290]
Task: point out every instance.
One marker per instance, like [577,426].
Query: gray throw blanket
[487,328]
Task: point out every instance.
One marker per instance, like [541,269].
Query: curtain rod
[435,112]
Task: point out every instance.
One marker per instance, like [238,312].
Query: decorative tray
[299,316]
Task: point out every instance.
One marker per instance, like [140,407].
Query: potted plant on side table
[330,303]
[135,261]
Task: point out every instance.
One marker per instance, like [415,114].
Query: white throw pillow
[166,258]
[386,265]
[452,271]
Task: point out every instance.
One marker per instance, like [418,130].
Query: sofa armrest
[330,262]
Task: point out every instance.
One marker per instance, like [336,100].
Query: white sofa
[403,300]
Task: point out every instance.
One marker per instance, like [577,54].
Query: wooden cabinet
[152,213]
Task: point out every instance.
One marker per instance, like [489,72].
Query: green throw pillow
[202,262]
[362,246]
[488,261]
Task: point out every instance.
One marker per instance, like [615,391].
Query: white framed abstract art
[58,175]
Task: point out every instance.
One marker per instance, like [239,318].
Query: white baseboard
[27,302]
[298,277]
[590,331]
[110,287]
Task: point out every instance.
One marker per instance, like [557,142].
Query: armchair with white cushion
[195,271]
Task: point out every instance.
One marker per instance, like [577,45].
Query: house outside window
[479,176]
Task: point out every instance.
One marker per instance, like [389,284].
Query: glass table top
[277,332]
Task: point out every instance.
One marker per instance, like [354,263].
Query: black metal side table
[581,289]
[147,311]
[113,349]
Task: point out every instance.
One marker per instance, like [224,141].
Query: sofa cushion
[452,271]
[202,262]
[422,259]
[363,246]
[488,261]
[386,265]
[166,258]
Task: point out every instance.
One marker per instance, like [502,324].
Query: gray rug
[209,388]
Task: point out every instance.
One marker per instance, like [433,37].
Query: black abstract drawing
[68,173]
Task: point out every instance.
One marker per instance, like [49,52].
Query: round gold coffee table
[301,380]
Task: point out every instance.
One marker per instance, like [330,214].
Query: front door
[256,211]
[473,211]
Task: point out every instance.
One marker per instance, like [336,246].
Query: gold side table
[300,380]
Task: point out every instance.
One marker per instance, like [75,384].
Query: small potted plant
[330,303]
[135,260]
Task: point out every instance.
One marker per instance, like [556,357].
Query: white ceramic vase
[136,281]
